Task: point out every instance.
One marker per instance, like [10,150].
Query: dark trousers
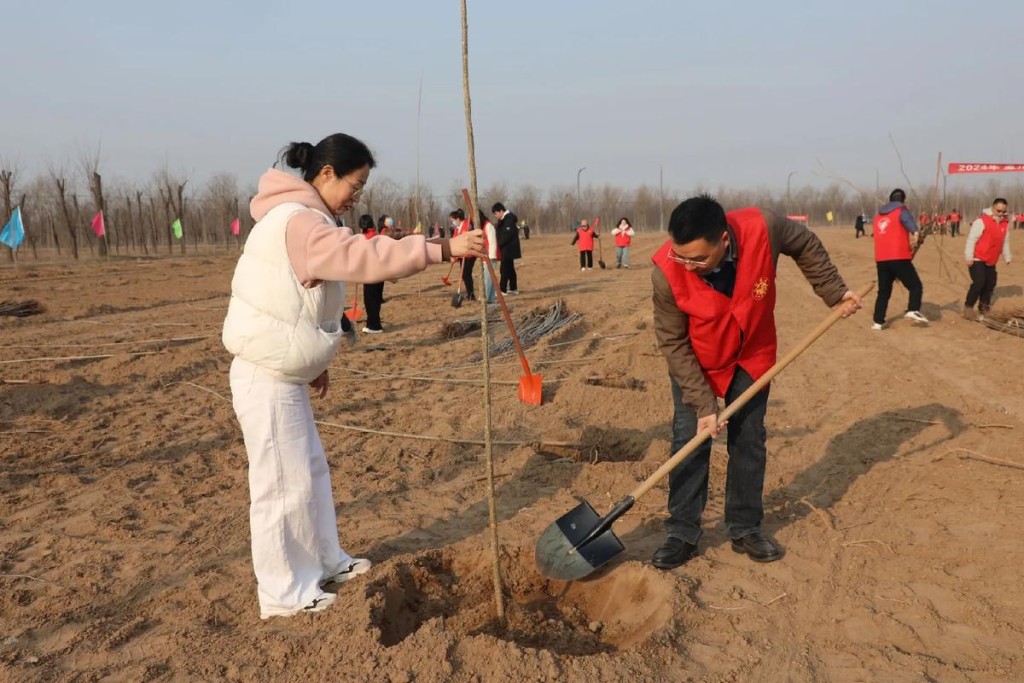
[860,231]
[954,229]
[983,283]
[587,259]
[508,282]
[904,271]
[744,482]
[373,297]
[467,276]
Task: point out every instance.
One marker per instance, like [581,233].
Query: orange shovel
[354,312]
[530,389]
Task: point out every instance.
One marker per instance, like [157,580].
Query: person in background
[623,234]
[988,239]
[282,327]
[493,255]
[460,226]
[526,229]
[373,292]
[584,241]
[954,222]
[894,232]
[508,245]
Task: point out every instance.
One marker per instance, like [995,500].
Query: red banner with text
[985,168]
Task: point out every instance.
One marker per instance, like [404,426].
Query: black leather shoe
[673,553]
[757,547]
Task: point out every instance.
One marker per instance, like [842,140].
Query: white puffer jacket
[272,320]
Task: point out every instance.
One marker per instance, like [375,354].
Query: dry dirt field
[124,541]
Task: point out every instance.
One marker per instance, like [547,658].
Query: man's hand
[850,303]
[467,244]
[969,262]
[321,384]
[711,424]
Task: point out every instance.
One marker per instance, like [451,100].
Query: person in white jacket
[988,238]
[623,234]
[283,328]
[493,255]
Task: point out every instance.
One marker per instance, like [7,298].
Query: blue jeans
[744,483]
[622,256]
[489,295]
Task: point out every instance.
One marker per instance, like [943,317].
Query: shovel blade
[447,281]
[556,554]
[353,313]
[457,300]
[530,390]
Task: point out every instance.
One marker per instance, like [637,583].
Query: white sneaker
[916,317]
[367,330]
[582,269]
[319,604]
[876,326]
[357,566]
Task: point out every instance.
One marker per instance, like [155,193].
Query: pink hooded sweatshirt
[320,250]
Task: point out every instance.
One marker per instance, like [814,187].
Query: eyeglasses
[357,191]
[703,261]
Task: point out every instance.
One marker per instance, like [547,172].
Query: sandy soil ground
[124,541]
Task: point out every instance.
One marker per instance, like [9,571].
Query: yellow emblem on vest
[760,288]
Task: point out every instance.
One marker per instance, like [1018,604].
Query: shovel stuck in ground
[457,297]
[600,244]
[530,388]
[580,541]
[354,313]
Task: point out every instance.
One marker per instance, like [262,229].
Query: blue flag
[14,232]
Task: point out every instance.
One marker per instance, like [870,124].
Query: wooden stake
[499,595]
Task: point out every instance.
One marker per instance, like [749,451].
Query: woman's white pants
[291,513]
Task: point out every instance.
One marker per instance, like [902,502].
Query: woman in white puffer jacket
[283,328]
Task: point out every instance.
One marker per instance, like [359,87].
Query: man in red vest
[714,319]
[954,223]
[988,238]
[895,229]
[584,241]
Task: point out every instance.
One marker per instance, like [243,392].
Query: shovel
[600,246]
[353,313]
[530,390]
[457,296]
[447,279]
[580,541]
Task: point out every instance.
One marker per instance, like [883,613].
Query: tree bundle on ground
[21,309]
[535,325]
[1010,321]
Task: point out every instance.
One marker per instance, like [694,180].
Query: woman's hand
[321,384]
[467,244]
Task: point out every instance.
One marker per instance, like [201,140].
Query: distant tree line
[58,207]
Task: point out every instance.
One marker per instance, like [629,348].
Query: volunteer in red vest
[954,223]
[493,254]
[460,225]
[373,292]
[623,234]
[584,241]
[988,239]
[714,319]
[895,232]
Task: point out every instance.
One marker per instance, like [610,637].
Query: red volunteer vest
[622,239]
[730,331]
[990,245]
[463,227]
[487,245]
[586,239]
[370,233]
[891,241]
[954,218]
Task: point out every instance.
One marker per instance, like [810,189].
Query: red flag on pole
[97,225]
[234,227]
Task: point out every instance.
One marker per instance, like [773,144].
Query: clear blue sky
[738,93]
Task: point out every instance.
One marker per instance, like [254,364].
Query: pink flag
[98,226]
[234,227]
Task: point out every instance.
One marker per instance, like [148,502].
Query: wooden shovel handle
[501,297]
[730,410]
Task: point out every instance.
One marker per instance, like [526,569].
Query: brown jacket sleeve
[671,328]
[798,242]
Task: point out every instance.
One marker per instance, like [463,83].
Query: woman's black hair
[343,153]
[459,214]
[628,222]
[365,222]
[380,221]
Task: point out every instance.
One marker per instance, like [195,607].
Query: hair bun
[298,155]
